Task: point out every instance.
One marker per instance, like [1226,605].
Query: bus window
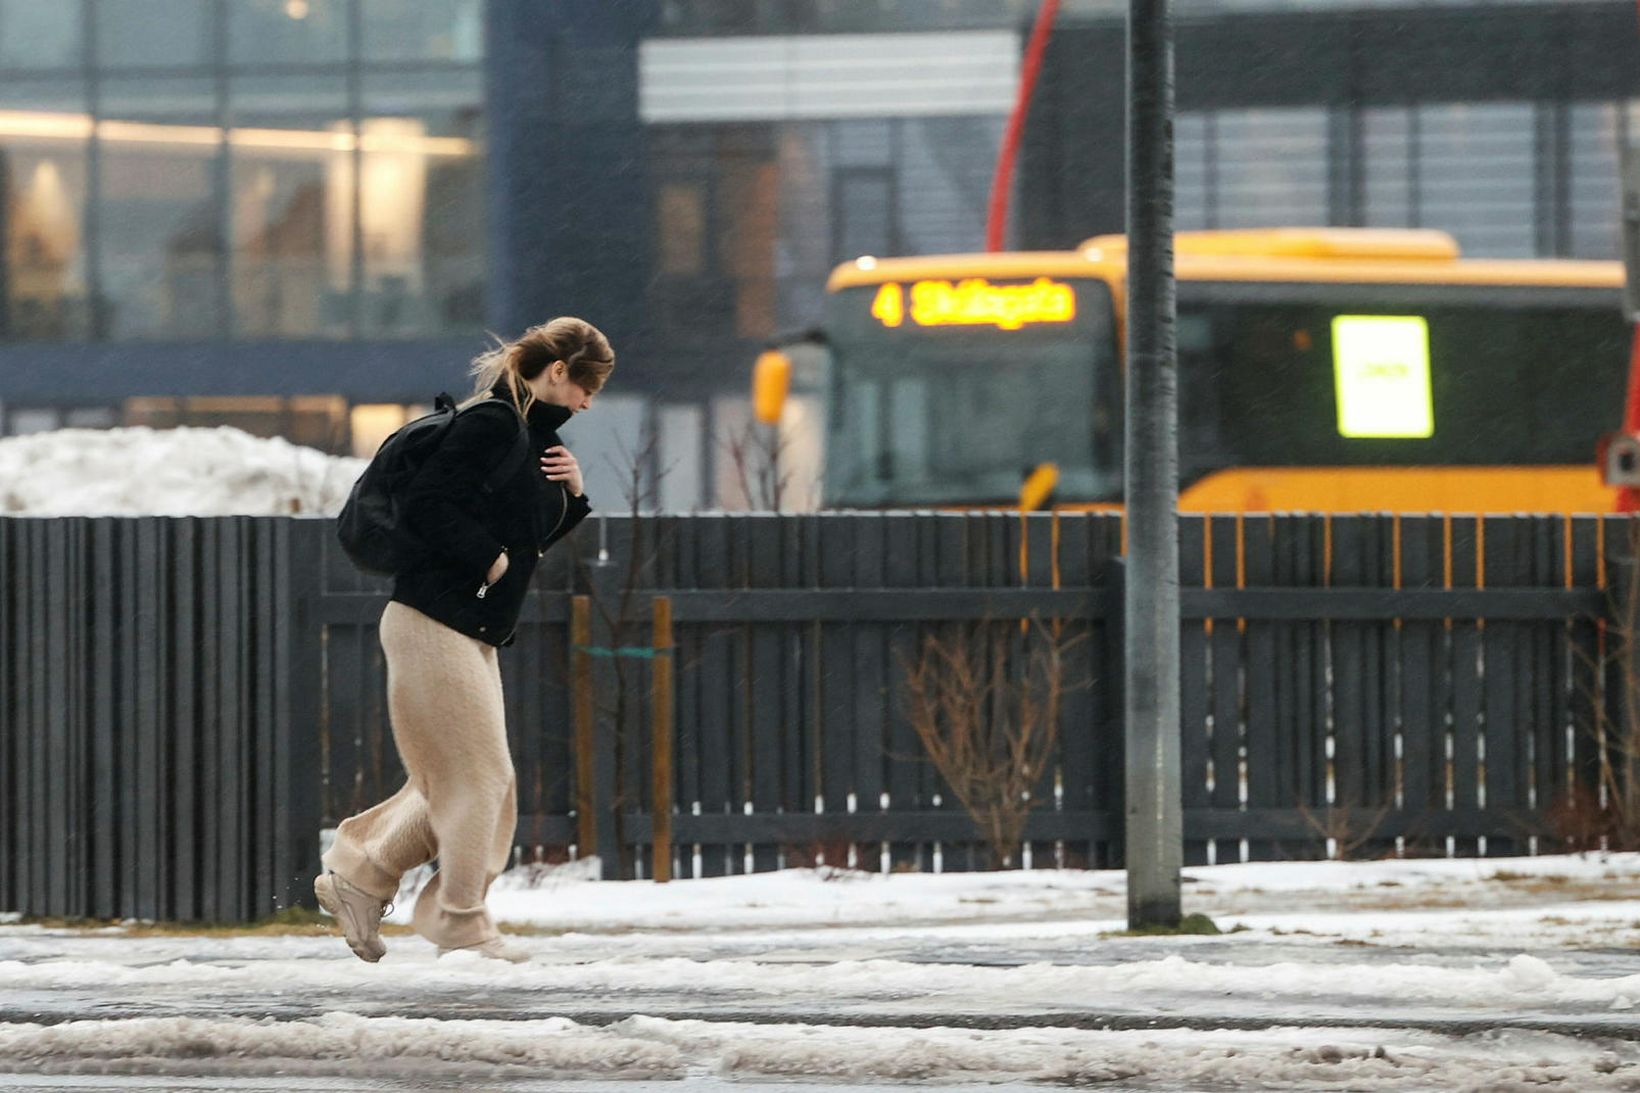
[1507,382]
[953,411]
[910,411]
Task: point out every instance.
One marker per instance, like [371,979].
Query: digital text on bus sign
[974,301]
[1381,363]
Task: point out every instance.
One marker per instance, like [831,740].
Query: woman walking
[440,633]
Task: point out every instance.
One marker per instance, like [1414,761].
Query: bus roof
[1335,255]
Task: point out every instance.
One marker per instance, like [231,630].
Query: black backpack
[371,526]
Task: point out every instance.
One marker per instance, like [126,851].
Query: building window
[37,35]
[1592,202]
[863,213]
[153,33]
[91,417]
[681,228]
[159,238]
[292,207]
[313,421]
[1387,168]
[32,419]
[1270,167]
[1193,196]
[287,31]
[421,204]
[43,142]
[423,30]
[1476,176]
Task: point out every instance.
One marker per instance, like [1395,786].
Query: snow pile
[168,472]
[647,1047]
[1505,987]
[557,1045]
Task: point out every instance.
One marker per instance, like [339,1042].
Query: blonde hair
[580,345]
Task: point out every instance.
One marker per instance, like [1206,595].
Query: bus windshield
[950,393]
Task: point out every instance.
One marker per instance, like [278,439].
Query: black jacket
[465,527]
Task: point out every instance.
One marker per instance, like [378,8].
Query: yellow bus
[1321,370]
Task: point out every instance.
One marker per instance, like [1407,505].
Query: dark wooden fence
[151,763]
[186,703]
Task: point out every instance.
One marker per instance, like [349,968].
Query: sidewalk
[1390,975]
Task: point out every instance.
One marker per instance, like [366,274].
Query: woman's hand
[497,568]
[560,466]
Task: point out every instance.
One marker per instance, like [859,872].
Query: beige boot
[494,949]
[358,912]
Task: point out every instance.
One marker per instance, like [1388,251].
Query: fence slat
[1583,698]
[1421,653]
[11,791]
[1263,761]
[1194,754]
[1225,738]
[718,687]
[765,684]
[1507,565]
[1466,677]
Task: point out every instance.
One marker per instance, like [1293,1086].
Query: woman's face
[555,387]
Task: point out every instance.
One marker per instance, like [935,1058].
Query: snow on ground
[168,472]
[563,898]
[1496,974]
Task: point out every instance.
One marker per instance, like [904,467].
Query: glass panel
[944,182]
[804,246]
[33,420]
[1271,167]
[865,200]
[706,17]
[43,139]
[92,417]
[154,33]
[681,235]
[1592,195]
[1476,176]
[292,207]
[864,142]
[39,35]
[423,30]
[1192,197]
[1386,173]
[422,204]
[159,228]
[287,31]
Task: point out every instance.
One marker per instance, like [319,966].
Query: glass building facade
[180,170]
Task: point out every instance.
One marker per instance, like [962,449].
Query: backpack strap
[516,457]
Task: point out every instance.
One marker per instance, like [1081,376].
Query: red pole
[996,222]
[1628,498]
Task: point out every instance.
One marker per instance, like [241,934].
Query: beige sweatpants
[460,804]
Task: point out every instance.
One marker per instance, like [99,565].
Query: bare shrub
[1346,827]
[1607,815]
[759,454]
[984,699]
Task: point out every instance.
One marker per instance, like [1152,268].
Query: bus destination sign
[974,301]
